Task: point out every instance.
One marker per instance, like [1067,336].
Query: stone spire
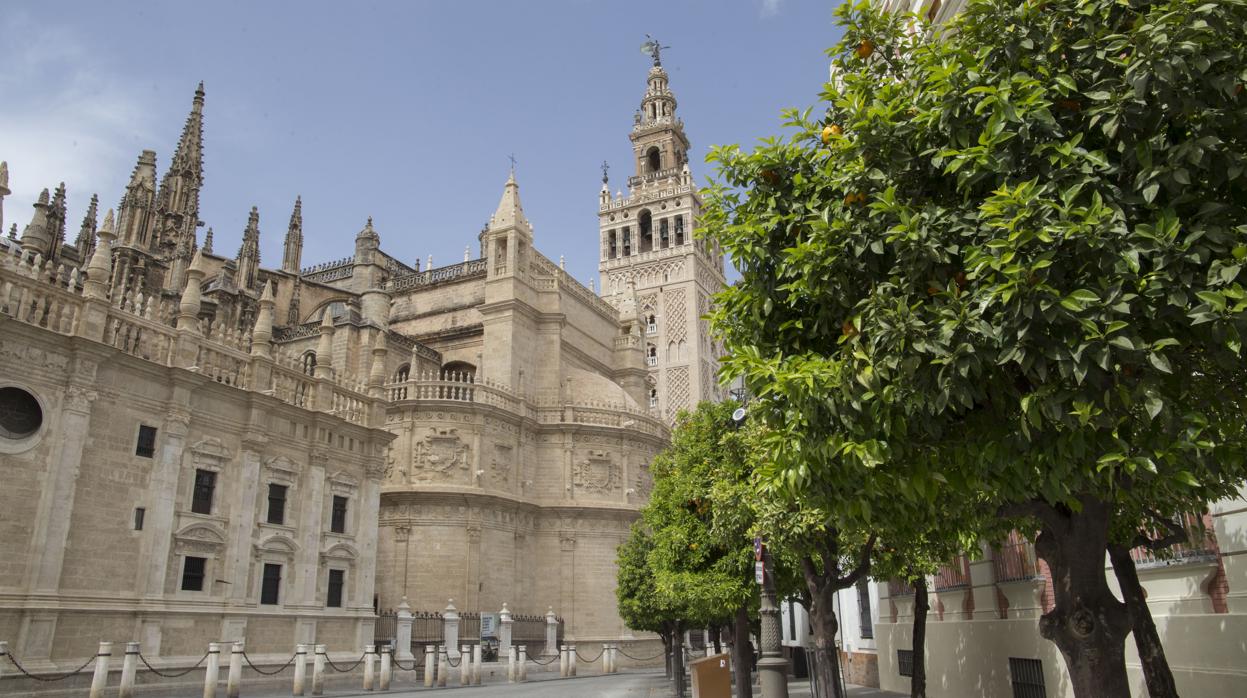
[177,202]
[4,189]
[86,233]
[208,242]
[36,238]
[136,213]
[249,253]
[510,213]
[293,252]
[100,268]
[56,222]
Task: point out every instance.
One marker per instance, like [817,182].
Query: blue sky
[405,111]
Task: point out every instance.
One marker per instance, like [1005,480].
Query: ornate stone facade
[479,431]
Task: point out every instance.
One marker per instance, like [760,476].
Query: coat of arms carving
[596,473]
[439,453]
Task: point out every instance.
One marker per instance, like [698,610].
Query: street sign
[759,571]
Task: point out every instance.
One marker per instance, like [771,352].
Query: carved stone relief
[597,472]
[439,454]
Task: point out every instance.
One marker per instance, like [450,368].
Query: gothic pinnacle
[208,241]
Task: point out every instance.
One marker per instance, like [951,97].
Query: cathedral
[197,447]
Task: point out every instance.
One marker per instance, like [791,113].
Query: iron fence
[954,575]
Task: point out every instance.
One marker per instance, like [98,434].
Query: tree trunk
[824,623]
[677,661]
[1160,683]
[918,683]
[742,658]
[666,650]
[715,633]
[1089,625]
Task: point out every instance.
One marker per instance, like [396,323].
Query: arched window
[461,370]
[309,363]
[403,373]
[651,355]
[651,325]
[653,398]
[653,158]
[679,230]
[646,224]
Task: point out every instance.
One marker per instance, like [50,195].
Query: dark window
[20,414]
[139,514]
[679,230]
[193,573]
[645,232]
[664,237]
[337,523]
[205,483]
[863,607]
[309,363]
[277,504]
[653,158]
[1027,677]
[271,585]
[336,579]
[146,446]
[905,662]
[627,241]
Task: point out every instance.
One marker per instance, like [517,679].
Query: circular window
[20,414]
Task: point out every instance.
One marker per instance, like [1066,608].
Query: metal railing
[1015,559]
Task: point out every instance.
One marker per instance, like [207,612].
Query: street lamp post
[772,667]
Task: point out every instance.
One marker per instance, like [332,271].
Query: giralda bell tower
[648,254]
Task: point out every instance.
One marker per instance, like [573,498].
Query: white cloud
[770,8]
[66,118]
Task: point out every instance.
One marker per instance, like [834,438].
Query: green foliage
[1013,268]
[640,606]
[702,556]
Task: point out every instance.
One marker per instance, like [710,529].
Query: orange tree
[1005,260]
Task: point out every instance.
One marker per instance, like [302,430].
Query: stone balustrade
[51,296]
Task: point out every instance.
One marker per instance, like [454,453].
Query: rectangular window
[139,514]
[276,504]
[270,587]
[627,241]
[905,662]
[863,607]
[663,236]
[614,246]
[146,446]
[336,578]
[193,573]
[679,230]
[1027,678]
[337,523]
[205,484]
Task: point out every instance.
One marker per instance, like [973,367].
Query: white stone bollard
[213,670]
[402,638]
[4,652]
[450,628]
[369,652]
[512,671]
[523,654]
[563,662]
[300,669]
[443,665]
[128,666]
[234,683]
[606,658]
[465,665]
[571,660]
[318,671]
[477,656]
[504,631]
[387,670]
[100,678]
[552,633]
[614,658]
[430,667]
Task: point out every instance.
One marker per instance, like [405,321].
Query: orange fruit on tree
[865,49]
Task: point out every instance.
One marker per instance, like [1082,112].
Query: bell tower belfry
[646,238]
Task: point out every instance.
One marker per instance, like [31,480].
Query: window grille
[193,573]
[905,662]
[205,484]
[146,446]
[271,585]
[276,504]
[337,522]
[336,579]
[863,607]
[139,514]
[1027,678]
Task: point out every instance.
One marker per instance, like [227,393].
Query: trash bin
[712,676]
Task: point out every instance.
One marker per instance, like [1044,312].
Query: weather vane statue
[653,49]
